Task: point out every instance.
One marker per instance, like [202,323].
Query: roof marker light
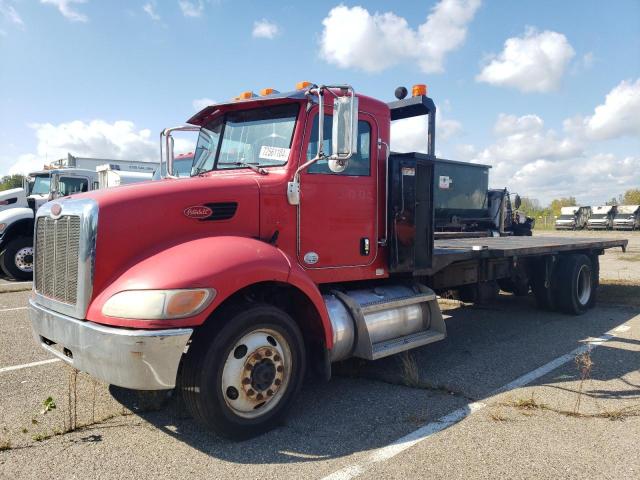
[268,91]
[245,95]
[302,85]
[418,90]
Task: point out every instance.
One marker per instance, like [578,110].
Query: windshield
[40,185]
[261,136]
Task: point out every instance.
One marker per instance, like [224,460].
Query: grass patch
[498,416]
[410,370]
[620,292]
[5,445]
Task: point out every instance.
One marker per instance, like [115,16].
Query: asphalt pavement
[442,411]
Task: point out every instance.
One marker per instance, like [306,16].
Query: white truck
[66,177]
[627,218]
[573,218]
[602,218]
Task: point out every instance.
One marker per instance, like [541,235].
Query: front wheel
[17,259]
[241,379]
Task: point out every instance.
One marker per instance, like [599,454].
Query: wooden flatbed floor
[448,251]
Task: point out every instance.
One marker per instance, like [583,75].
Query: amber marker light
[246,95]
[184,303]
[418,90]
[267,91]
[302,85]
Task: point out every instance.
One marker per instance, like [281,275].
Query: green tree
[11,181]
[631,197]
[558,203]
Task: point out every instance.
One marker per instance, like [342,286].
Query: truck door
[338,211]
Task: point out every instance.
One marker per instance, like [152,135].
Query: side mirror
[517,202]
[344,133]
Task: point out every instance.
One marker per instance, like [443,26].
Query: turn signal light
[302,85]
[418,90]
[181,304]
[246,95]
[267,91]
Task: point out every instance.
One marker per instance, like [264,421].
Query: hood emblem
[56,210]
[198,211]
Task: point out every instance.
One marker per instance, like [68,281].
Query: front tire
[241,377]
[17,259]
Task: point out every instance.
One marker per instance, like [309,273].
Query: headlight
[158,304]
[2,227]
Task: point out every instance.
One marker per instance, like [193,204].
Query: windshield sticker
[274,153]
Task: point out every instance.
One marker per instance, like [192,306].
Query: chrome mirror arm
[168,141]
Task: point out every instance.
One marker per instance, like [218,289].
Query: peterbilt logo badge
[198,211]
[56,210]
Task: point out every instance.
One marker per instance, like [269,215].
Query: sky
[546,92]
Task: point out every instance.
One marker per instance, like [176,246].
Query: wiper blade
[253,167]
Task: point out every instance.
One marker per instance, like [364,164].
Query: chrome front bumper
[136,359]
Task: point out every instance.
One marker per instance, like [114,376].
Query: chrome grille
[57,253]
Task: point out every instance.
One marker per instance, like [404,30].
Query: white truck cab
[627,218]
[602,217]
[573,218]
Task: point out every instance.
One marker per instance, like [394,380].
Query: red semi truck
[299,240]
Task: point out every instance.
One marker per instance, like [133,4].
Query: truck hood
[12,193]
[139,220]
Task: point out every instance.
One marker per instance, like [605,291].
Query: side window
[71,185]
[359,163]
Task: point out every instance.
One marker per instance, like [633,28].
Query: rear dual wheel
[572,286]
[241,379]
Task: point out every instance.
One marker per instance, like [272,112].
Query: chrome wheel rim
[256,373]
[584,285]
[23,259]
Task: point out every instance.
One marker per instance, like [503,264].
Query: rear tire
[575,285]
[240,378]
[17,259]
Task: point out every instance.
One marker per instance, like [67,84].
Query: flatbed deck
[448,251]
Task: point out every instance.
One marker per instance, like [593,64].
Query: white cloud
[537,162]
[410,134]
[120,140]
[150,9]
[355,38]
[535,62]
[66,9]
[26,163]
[618,116]
[265,29]
[191,8]
[200,103]
[10,13]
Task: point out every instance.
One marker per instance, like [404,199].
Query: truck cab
[602,217]
[627,218]
[573,218]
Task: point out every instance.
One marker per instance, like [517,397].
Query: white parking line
[29,365]
[389,451]
[13,309]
